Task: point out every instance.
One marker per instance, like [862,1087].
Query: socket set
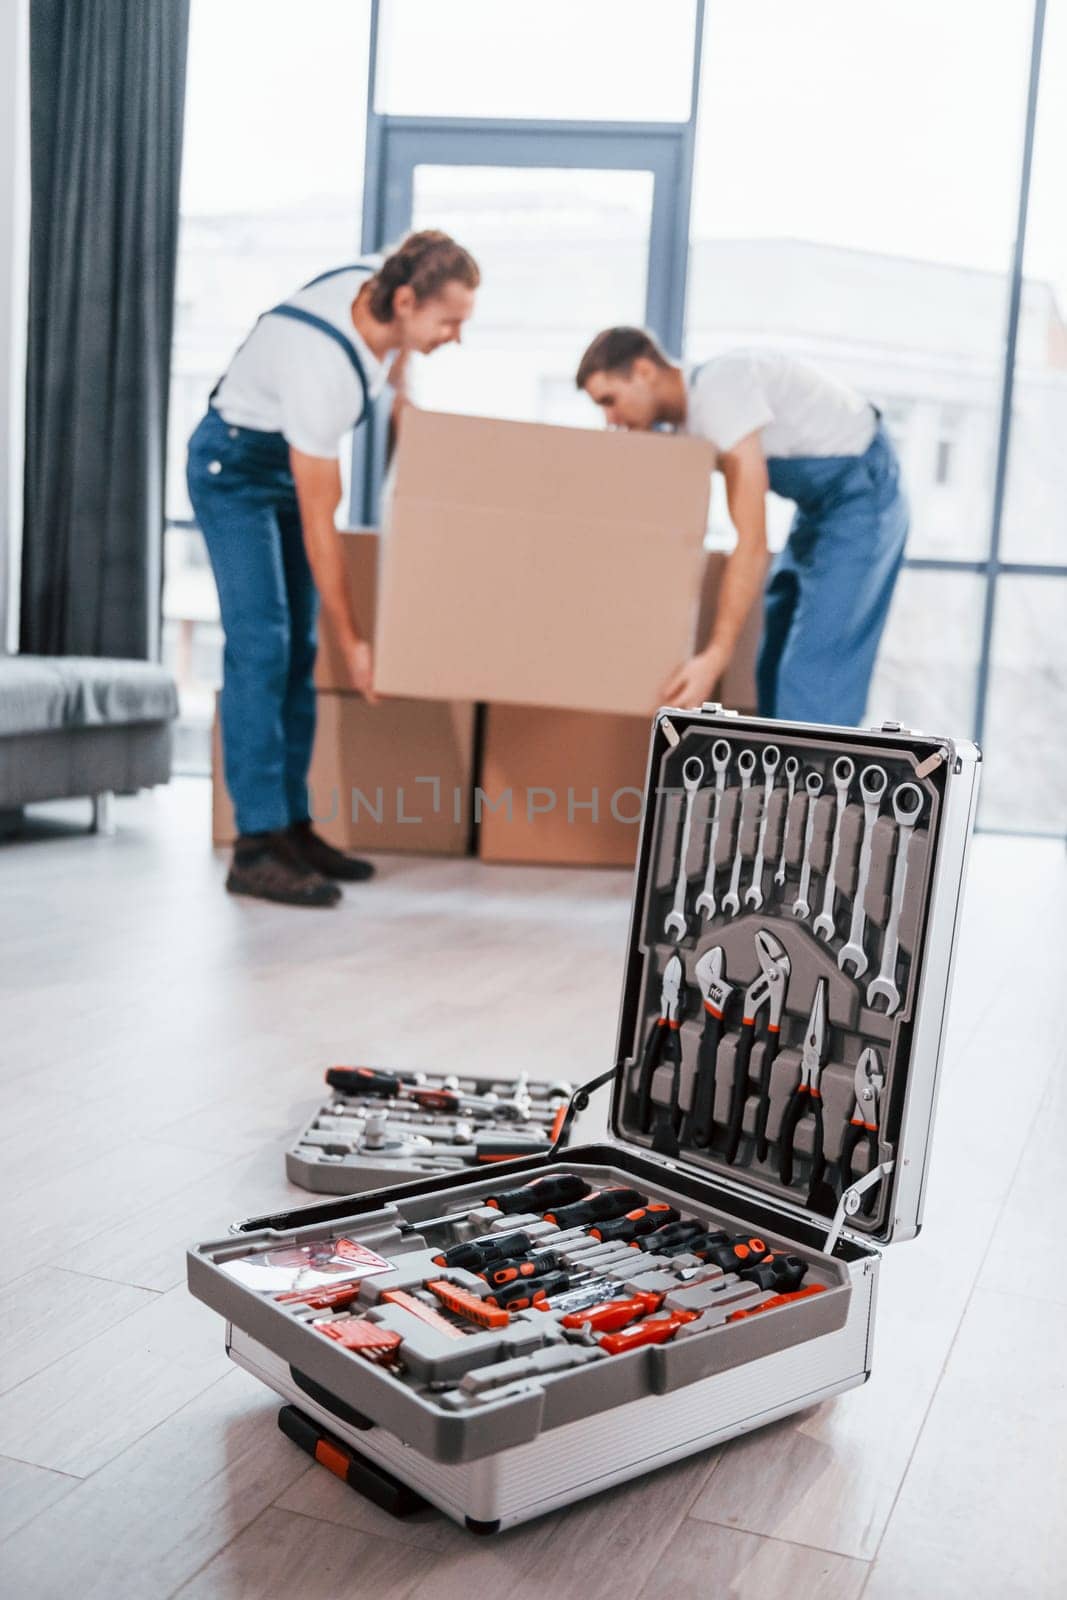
[380,1126]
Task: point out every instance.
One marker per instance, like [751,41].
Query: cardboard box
[392,777]
[538,565]
[382,777]
[359,547]
[561,787]
[737,688]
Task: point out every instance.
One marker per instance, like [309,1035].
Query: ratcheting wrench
[868,1083]
[754,892]
[843,771]
[768,989]
[790,768]
[800,907]
[907,807]
[746,766]
[692,778]
[716,994]
[720,761]
[873,784]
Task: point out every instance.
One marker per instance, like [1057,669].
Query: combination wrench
[746,766]
[754,893]
[813,788]
[720,761]
[843,771]
[791,768]
[907,806]
[692,778]
[873,784]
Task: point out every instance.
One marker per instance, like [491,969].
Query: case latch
[851,1201]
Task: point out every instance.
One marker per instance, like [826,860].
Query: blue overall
[242,491]
[829,590]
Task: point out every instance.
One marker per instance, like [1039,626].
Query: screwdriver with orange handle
[777,1300]
[646,1219]
[659,1330]
[561,1189]
[597,1207]
[512,1268]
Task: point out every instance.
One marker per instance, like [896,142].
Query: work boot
[265,866]
[309,848]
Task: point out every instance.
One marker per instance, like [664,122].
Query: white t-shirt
[796,409]
[291,378]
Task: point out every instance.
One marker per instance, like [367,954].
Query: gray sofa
[79,725]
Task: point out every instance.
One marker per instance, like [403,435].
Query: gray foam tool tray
[357,1142]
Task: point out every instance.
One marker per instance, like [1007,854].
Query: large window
[272,187]
[861,210]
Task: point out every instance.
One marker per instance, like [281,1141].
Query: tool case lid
[907,1045]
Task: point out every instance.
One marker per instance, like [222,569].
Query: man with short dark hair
[777,423]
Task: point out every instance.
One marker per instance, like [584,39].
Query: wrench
[746,766]
[843,773]
[692,778]
[873,784]
[800,906]
[720,760]
[907,806]
[754,893]
[791,768]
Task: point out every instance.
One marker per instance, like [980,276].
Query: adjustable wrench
[813,787]
[791,768]
[720,761]
[843,770]
[716,994]
[873,784]
[746,766]
[692,778]
[907,806]
[754,892]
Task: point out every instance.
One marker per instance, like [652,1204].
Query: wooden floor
[160,1042]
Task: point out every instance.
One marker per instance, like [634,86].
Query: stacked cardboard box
[396,776]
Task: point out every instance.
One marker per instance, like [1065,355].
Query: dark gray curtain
[107,88]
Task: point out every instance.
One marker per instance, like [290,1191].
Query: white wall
[14,263]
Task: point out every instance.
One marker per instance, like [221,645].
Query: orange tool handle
[656,1331]
[467,1305]
[610,1315]
[362,1338]
[776,1301]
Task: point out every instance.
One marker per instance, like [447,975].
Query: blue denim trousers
[829,590]
[244,497]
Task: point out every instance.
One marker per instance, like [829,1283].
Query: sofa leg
[103,812]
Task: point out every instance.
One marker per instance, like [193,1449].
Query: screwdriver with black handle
[558,1190]
[596,1207]
[645,1219]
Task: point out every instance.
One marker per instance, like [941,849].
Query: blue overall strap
[299,315]
[335,272]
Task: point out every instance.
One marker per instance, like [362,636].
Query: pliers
[869,1082]
[806,1096]
[768,989]
[716,994]
[663,1041]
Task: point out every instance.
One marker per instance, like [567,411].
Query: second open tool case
[503,1342]
[380,1127]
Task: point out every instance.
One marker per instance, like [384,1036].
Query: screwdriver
[656,1331]
[645,1220]
[527,1292]
[368,1080]
[695,1244]
[610,1315]
[478,1253]
[785,1273]
[558,1190]
[673,1233]
[500,1272]
[737,1252]
[776,1301]
[596,1207]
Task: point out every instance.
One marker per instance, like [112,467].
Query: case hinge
[578,1102]
[851,1201]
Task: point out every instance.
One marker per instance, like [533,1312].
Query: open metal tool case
[395,1128]
[795,910]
